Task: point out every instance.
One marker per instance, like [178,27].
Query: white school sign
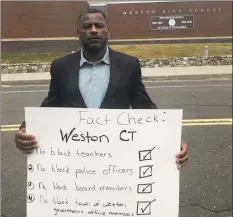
[97,162]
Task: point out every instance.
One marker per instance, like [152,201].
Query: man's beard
[93,49]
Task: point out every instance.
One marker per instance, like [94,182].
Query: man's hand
[182,157]
[25,142]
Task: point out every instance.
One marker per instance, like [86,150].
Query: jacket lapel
[114,70]
[73,80]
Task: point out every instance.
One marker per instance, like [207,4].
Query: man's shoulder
[66,59]
[125,57]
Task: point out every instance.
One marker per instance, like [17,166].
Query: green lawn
[140,51]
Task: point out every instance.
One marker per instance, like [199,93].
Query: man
[95,77]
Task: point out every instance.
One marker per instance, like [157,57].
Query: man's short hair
[91,11]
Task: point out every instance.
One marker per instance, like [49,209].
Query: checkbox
[145,171]
[144,207]
[145,188]
[145,155]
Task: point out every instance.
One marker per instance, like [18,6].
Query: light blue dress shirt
[93,80]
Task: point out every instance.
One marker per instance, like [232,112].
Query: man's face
[93,32]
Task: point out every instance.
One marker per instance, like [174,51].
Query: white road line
[6,86]
[208,120]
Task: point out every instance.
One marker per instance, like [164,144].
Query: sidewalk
[148,74]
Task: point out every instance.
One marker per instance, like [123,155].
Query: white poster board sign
[97,162]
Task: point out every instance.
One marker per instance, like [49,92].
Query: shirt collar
[105,59]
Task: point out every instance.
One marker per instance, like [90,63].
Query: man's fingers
[26,145]
[21,134]
[23,143]
[184,150]
[183,164]
[182,157]
[183,160]
[31,147]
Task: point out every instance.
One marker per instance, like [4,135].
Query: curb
[144,78]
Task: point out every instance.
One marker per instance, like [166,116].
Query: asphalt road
[206,182]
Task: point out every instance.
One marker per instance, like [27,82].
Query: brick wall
[210,19]
[39,19]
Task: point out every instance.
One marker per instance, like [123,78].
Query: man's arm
[139,97]
[53,97]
